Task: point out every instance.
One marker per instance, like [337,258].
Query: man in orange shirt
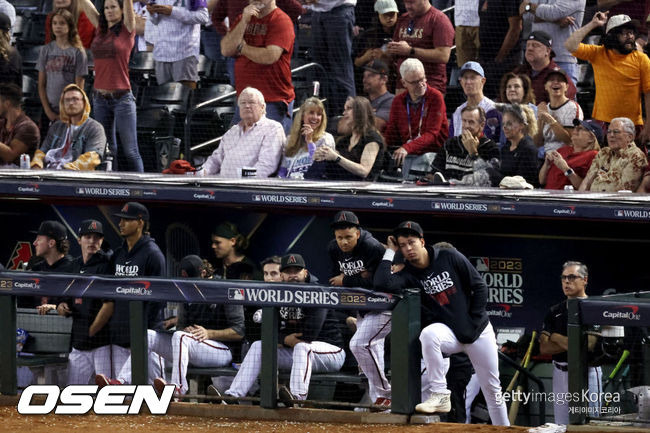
[616,61]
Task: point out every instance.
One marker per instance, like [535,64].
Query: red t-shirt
[84,27]
[274,81]
[579,162]
[25,130]
[431,30]
[111,54]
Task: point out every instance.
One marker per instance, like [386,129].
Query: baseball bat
[514,407]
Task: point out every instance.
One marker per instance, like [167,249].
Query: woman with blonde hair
[519,154]
[307,134]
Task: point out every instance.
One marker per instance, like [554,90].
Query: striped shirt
[178,36]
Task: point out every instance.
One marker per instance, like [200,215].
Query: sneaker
[212,391]
[101,380]
[437,403]
[159,385]
[439,179]
[285,396]
[381,405]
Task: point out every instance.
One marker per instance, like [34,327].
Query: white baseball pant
[302,360]
[83,365]
[561,387]
[471,391]
[438,338]
[367,345]
[187,349]
[157,341]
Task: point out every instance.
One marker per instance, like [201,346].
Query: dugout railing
[405,359]
[618,310]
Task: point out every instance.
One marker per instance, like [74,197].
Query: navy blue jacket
[366,255]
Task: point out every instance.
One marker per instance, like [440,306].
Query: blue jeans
[118,116]
[277,111]
[571,69]
[332,41]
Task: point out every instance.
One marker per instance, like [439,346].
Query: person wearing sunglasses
[620,165]
[553,341]
[424,33]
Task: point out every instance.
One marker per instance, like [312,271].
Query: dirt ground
[12,421]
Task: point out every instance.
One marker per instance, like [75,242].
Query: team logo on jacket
[438,287]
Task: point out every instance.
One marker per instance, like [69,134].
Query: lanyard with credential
[408,117]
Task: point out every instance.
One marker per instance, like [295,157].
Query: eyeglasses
[570,278]
[416,82]
[615,132]
[409,29]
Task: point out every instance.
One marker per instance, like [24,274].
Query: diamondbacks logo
[93,225]
[292,260]
[21,255]
[236,294]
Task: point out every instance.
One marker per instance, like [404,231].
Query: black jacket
[454,161]
[365,256]
[36,264]
[452,291]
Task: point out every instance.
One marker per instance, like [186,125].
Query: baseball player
[311,342]
[354,256]
[207,332]
[91,350]
[553,340]
[454,319]
[139,256]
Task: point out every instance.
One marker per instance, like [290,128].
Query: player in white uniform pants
[553,341]
[453,299]
[311,343]
[354,255]
[207,329]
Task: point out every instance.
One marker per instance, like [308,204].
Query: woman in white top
[555,119]
[307,134]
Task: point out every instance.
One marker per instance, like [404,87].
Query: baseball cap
[591,126]
[5,22]
[472,66]
[52,229]
[180,166]
[192,265]
[385,6]
[91,226]
[620,20]
[556,71]
[407,228]
[377,66]
[344,219]
[133,211]
[291,261]
[541,37]
[226,230]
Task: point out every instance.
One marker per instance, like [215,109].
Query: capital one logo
[78,400]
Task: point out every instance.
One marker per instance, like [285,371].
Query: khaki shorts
[180,70]
[467,44]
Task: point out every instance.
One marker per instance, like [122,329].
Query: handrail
[192,110]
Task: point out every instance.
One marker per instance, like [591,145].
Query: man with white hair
[621,72]
[254,144]
[620,165]
[418,117]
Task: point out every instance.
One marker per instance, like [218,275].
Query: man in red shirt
[261,39]
[18,133]
[418,117]
[426,34]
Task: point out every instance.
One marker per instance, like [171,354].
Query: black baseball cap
[541,37]
[52,229]
[408,228]
[192,265]
[226,230]
[5,22]
[344,219]
[377,66]
[556,71]
[292,261]
[591,126]
[133,211]
[91,226]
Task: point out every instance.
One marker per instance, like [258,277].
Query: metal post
[405,353]
[139,343]
[577,358]
[269,372]
[8,383]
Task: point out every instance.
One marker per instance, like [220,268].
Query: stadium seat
[207,122]
[33,31]
[141,70]
[30,59]
[31,101]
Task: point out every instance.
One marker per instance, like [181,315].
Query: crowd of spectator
[520,62]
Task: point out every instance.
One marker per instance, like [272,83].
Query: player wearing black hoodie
[454,319]
[91,349]
[139,256]
[354,256]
